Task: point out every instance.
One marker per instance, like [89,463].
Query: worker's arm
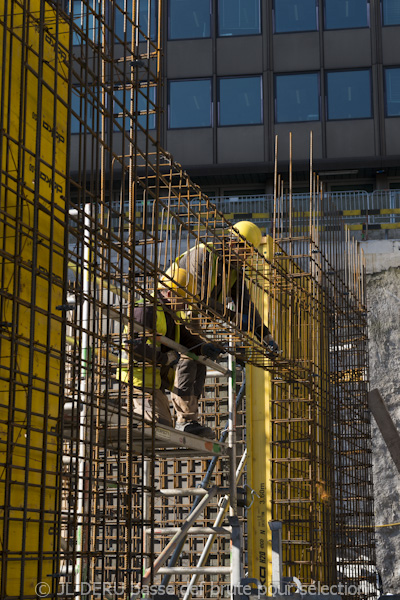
[190,341]
[250,317]
[198,346]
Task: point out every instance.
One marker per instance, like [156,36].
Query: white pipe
[232,431]
[83,386]
[146,511]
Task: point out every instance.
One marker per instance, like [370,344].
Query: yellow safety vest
[137,371]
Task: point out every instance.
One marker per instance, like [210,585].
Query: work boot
[196,428]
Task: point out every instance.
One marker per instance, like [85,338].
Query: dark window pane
[345,14]
[75,107]
[189,19]
[349,95]
[238,17]
[123,12]
[190,103]
[295,15]
[143,106]
[87,21]
[122,26]
[391,12]
[297,97]
[392,84]
[83,109]
[147,11]
[240,101]
[78,17]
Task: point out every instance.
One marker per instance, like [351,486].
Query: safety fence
[360,210]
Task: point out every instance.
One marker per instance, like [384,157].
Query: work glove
[270,344]
[211,351]
[170,358]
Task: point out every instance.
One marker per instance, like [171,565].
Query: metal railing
[359,206]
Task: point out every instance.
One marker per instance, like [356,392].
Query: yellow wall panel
[287,427]
[32,196]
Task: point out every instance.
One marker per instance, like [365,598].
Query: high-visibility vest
[137,371]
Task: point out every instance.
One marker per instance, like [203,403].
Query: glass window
[189,103]
[238,17]
[240,101]
[123,12]
[346,14]
[349,94]
[391,12]
[148,10]
[122,98]
[295,15]
[83,109]
[297,97]
[189,19]
[88,23]
[392,86]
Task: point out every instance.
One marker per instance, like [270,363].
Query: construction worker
[215,279]
[171,297]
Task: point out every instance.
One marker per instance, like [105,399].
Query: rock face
[383,301]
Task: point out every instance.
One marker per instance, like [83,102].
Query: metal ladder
[203,495]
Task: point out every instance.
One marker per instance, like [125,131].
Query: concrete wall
[383,299]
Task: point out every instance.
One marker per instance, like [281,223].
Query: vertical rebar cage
[321,445]
[93,216]
[33,132]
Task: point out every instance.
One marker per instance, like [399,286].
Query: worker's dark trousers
[189,381]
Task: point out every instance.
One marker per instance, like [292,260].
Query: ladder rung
[213,373]
[193,530]
[196,570]
[188,492]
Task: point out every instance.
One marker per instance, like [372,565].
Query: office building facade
[237,73]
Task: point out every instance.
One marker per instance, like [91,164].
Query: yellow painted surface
[32,215]
[389,225]
[390,211]
[258,418]
[351,213]
[258,385]
[293,483]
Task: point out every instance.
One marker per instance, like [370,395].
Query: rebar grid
[89,513]
[33,147]
[134,211]
[321,465]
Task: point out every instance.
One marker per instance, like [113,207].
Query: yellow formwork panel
[32,215]
[292,484]
[258,419]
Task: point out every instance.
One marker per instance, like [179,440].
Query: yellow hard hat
[249,231]
[178,280]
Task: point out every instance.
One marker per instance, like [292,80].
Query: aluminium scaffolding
[92,216]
